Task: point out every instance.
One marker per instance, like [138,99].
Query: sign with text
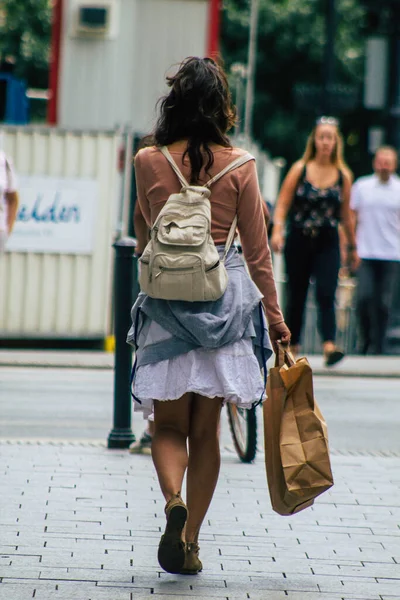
[55,215]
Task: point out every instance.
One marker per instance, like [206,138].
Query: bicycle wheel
[243,426]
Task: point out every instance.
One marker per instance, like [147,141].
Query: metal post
[251,69]
[329,61]
[214,30]
[239,73]
[132,194]
[125,168]
[239,103]
[125,292]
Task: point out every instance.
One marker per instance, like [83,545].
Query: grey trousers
[376,280]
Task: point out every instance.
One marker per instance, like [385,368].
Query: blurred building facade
[111,58]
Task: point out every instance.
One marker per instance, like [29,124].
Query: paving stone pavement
[80,522]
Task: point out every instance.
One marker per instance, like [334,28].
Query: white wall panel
[93,85]
[41,293]
[33,304]
[15,274]
[62,295]
[179,31]
[55,155]
[106,83]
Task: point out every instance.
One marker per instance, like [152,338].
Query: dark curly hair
[198,109]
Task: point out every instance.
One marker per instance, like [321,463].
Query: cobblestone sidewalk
[83,523]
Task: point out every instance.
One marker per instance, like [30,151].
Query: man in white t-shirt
[375,201]
[8,199]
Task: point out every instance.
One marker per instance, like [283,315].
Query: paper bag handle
[284,356]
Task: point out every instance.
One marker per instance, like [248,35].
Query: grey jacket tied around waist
[166,329]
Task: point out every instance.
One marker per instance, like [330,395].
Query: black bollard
[126,290]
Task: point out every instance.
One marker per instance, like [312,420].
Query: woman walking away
[194,356]
[314,200]
[143,445]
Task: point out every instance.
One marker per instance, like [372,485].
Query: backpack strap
[174,166]
[230,238]
[238,162]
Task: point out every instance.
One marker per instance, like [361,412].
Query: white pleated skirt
[231,373]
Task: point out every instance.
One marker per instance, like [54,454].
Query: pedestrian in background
[314,200]
[8,199]
[375,201]
[183,380]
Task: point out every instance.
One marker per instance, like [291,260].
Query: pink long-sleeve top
[236,193]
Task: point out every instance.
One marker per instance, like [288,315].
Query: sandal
[171,550]
[193,564]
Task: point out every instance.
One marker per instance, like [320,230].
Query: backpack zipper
[162,269]
[213,266]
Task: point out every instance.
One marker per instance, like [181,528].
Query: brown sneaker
[171,550]
[193,564]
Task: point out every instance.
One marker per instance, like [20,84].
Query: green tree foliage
[291,42]
[25,29]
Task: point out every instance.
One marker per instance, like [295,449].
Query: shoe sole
[171,551]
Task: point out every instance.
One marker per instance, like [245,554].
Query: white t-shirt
[378,217]
[7,184]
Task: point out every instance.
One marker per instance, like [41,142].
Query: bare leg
[204,461]
[332,353]
[170,457]
[329,346]
[168,448]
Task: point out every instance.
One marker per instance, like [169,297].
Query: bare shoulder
[297,167]
[295,172]
[348,176]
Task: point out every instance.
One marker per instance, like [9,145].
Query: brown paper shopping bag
[296,438]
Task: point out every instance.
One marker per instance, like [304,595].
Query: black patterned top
[314,208]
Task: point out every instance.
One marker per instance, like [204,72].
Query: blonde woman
[313,201]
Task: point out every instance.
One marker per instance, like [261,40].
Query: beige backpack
[181,261]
